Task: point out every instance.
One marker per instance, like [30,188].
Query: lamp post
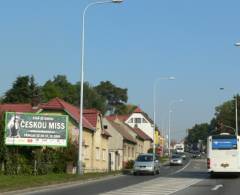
[169,123]
[80,170]
[236,101]
[154,104]
[237,44]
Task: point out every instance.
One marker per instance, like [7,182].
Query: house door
[109,162]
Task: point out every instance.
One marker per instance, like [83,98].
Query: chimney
[35,101]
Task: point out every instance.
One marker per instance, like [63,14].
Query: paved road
[192,179]
[221,185]
[109,185]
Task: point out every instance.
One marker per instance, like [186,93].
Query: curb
[59,185]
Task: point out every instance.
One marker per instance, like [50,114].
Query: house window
[85,152]
[137,120]
[125,150]
[129,150]
[104,154]
[133,152]
[97,153]
[144,120]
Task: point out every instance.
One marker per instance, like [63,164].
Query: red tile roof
[73,111]
[137,110]
[91,115]
[119,117]
[141,134]
[15,108]
[121,128]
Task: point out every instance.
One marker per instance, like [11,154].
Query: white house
[142,121]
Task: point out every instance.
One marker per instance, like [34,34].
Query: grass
[164,159]
[9,183]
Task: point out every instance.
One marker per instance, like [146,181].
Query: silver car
[146,163]
[176,159]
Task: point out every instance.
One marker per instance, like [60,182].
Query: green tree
[198,132]
[60,87]
[114,95]
[225,116]
[24,90]
[91,98]
[125,109]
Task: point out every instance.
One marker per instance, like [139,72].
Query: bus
[223,154]
[179,148]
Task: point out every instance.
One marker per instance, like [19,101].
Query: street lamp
[237,44]
[236,113]
[80,170]
[154,105]
[169,123]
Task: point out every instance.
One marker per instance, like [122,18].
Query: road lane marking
[180,170]
[158,186]
[217,187]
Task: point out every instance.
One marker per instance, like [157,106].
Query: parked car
[146,163]
[176,159]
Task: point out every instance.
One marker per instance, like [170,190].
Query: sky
[130,44]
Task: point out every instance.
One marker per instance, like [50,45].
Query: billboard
[30,129]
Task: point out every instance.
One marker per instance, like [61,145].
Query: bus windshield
[224,142]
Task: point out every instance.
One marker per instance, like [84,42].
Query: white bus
[179,148]
[223,154]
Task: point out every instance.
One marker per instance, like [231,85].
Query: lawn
[8,183]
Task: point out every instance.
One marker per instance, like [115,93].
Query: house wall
[73,133]
[100,144]
[128,151]
[115,147]
[146,127]
[139,147]
[146,146]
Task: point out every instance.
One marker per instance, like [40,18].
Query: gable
[138,118]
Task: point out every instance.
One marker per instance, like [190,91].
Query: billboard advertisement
[30,129]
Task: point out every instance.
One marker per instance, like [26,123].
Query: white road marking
[182,168]
[217,187]
[158,186]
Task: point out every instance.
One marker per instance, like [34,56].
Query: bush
[129,164]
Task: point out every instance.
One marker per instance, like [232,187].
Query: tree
[91,99]
[115,96]
[225,116]
[125,109]
[198,132]
[60,87]
[23,90]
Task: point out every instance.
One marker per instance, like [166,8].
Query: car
[196,154]
[146,163]
[176,159]
[183,155]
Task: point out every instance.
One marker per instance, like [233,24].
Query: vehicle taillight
[208,163]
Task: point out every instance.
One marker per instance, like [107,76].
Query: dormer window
[137,120]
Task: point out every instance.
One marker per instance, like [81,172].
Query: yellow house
[100,140]
[95,140]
